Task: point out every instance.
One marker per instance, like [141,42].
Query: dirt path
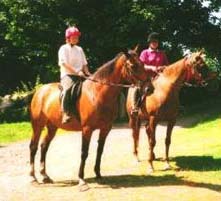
[63,161]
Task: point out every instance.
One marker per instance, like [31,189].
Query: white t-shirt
[73,56]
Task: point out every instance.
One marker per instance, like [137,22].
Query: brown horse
[97,107]
[163,103]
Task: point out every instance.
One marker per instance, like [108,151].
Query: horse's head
[195,62]
[197,59]
[133,70]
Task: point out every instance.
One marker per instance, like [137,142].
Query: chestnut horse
[163,103]
[97,107]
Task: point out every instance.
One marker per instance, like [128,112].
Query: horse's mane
[106,69]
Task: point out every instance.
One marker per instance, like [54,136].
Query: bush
[14,107]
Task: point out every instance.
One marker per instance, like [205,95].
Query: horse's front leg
[134,123]
[170,126]
[86,138]
[150,130]
[101,141]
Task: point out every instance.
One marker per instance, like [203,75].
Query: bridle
[191,67]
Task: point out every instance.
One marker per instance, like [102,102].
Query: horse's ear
[126,52]
[202,51]
[136,49]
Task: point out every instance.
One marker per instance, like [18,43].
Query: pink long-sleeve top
[153,58]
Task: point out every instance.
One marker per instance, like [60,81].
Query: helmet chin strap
[153,48]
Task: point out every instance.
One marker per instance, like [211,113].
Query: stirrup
[134,112]
[66,118]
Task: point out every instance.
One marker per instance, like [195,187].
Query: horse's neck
[173,76]
[170,81]
[103,88]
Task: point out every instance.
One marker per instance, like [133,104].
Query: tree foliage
[32,32]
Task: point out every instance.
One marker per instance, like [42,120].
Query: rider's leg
[136,101]
[66,83]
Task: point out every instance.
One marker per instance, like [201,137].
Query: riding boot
[66,117]
[136,102]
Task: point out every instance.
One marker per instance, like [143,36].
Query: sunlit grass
[13,132]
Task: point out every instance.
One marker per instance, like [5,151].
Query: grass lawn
[13,132]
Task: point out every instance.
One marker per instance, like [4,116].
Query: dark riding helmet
[154,36]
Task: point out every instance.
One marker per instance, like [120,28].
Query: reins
[108,83]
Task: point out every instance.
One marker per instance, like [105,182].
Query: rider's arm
[150,68]
[143,58]
[63,62]
[86,70]
[69,68]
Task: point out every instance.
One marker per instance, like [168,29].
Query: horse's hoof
[83,186]
[99,177]
[47,180]
[150,170]
[33,181]
[167,167]
[137,158]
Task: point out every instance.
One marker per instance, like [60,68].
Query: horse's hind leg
[44,148]
[170,126]
[101,141]
[33,149]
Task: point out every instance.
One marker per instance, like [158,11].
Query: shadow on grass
[64,183]
[134,181]
[130,181]
[198,163]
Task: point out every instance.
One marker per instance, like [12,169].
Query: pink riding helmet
[72,31]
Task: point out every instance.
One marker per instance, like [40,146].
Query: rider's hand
[154,69]
[160,68]
[81,74]
[88,74]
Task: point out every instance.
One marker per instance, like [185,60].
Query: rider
[154,61]
[73,65]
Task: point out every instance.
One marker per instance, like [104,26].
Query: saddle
[73,94]
[140,93]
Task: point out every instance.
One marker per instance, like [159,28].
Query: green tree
[32,32]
